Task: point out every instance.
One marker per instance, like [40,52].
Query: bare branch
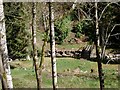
[104,10]
[107,29]
[84,12]
[117,4]
[115,34]
[111,32]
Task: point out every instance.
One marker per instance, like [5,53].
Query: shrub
[62,28]
[78,29]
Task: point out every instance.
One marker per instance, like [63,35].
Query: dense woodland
[80,22]
[28,30]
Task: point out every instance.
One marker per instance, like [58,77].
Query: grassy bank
[72,73]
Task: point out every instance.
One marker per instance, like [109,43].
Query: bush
[85,27]
[78,34]
[62,28]
[78,29]
[89,30]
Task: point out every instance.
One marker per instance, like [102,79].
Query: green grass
[24,75]
[70,46]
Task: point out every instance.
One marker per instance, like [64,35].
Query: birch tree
[100,50]
[35,58]
[97,43]
[3,48]
[52,46]
[2,74]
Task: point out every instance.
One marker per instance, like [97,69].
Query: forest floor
[72,73]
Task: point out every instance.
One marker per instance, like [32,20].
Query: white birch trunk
[97,27]
[52,46]
[3,47]
[34,42]
[2,74]
[97,44]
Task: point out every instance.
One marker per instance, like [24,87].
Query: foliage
[109,18]
[89,30]
[78,29]
[62,29]
[85,27]
[17,34]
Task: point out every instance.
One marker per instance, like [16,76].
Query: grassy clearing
[71,46]
[72,73]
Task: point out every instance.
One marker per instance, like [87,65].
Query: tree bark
[44,44]
[45,25]
[52,46]
[97,44]
[3,48]
[35,58]
[2,74]
[102,44]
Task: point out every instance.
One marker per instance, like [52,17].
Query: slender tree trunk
[35,58]
[52,46]
[97,22]
[44,44]
[3,47]
[43,54]
[103,46]
[41,62]
[45,38]
[2,74]
[103,52]
[97,49]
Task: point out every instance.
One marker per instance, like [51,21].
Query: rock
[24,68]
[76,71]
[58,55]
[16,59]
[67,70]
[59,75]
[28,57]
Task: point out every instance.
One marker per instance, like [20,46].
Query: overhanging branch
[111,32]
[106,8]
[115,34]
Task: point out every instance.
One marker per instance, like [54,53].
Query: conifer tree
[16,28]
